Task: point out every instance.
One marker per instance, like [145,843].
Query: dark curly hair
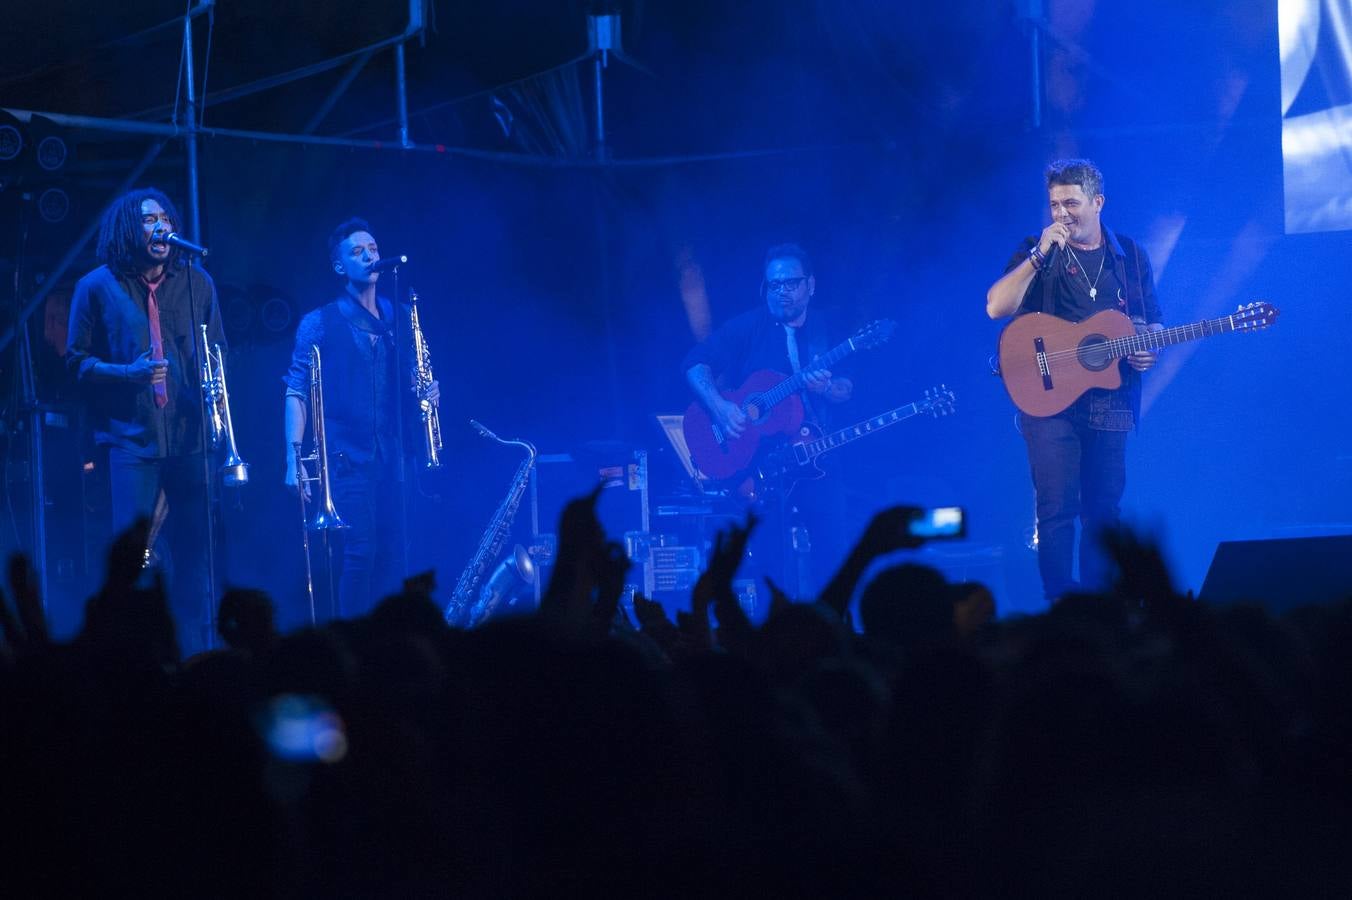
[343,232]
[121,240]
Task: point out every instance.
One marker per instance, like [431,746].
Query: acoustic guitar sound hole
[1094,353]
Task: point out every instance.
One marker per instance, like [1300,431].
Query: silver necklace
[1093,287]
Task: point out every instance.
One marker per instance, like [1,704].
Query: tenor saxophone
[422,378]
[478,594]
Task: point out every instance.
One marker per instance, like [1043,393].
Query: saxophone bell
[517,571]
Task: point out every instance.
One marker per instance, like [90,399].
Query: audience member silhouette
[1130,743]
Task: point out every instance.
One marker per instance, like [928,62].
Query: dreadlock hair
[121,238]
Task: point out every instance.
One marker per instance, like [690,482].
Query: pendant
[1093,294]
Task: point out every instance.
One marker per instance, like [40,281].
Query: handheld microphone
[389,262]
[1049,258]
[187,246]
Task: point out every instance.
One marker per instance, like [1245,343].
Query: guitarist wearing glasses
[1076,269]
[780,351]
[776,337]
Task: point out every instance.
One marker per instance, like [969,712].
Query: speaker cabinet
[1281,574]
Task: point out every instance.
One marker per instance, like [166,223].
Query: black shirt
[753,341]
[1125,284]
[358,354]
[109,324]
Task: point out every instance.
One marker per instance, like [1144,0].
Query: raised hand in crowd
[696,634]
[124,618]
[127,557]
[653,621]
[609,567]
[24,630]
[779,598]
[886,533]
[715,584]
[568,600]
[1143,576]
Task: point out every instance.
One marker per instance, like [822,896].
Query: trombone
[325,518]
[216,396]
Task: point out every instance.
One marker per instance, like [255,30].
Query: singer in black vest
[359,340]
[134,324]
[1078,267]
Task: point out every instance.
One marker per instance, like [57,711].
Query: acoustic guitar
[1048,363]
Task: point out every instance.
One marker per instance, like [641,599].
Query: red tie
[156,338]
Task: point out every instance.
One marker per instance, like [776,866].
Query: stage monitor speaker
[1281,574]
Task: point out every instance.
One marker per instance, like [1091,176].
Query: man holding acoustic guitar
[1085,308]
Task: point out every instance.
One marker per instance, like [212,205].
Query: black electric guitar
[786,465]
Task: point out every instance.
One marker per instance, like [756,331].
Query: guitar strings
[1184,331]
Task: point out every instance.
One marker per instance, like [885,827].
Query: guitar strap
[795,352]
[1049,290]
[1140,285]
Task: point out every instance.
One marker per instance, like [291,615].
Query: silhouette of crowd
[891,739]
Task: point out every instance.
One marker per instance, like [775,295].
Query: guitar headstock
[874,334]
[1253,316]
[939,401]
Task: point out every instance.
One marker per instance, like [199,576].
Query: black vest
[360,387]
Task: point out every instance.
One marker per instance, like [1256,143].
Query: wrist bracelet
[1036,257]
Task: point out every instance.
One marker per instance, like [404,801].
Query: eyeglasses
[785,284]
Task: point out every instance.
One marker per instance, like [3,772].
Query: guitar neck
[794,383]
[1155,340]
[854,432]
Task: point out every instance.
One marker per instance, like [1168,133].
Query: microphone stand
[399,374]
[208,479]
[30,404]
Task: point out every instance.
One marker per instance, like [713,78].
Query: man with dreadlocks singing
[134,324]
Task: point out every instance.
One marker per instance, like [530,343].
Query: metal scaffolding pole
[401,95]
[194,222]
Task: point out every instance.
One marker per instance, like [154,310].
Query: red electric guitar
[772,406]
[785,466]
[1047,362]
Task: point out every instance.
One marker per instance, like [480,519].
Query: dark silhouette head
[246,620]
[908,604]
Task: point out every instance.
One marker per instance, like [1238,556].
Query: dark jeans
[367,497]
[1077,472]
[180,547]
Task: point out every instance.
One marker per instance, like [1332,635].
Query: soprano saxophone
[422,377]
[478,594]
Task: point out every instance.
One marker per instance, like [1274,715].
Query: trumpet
[326,517]
[422,380]
[216,396]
